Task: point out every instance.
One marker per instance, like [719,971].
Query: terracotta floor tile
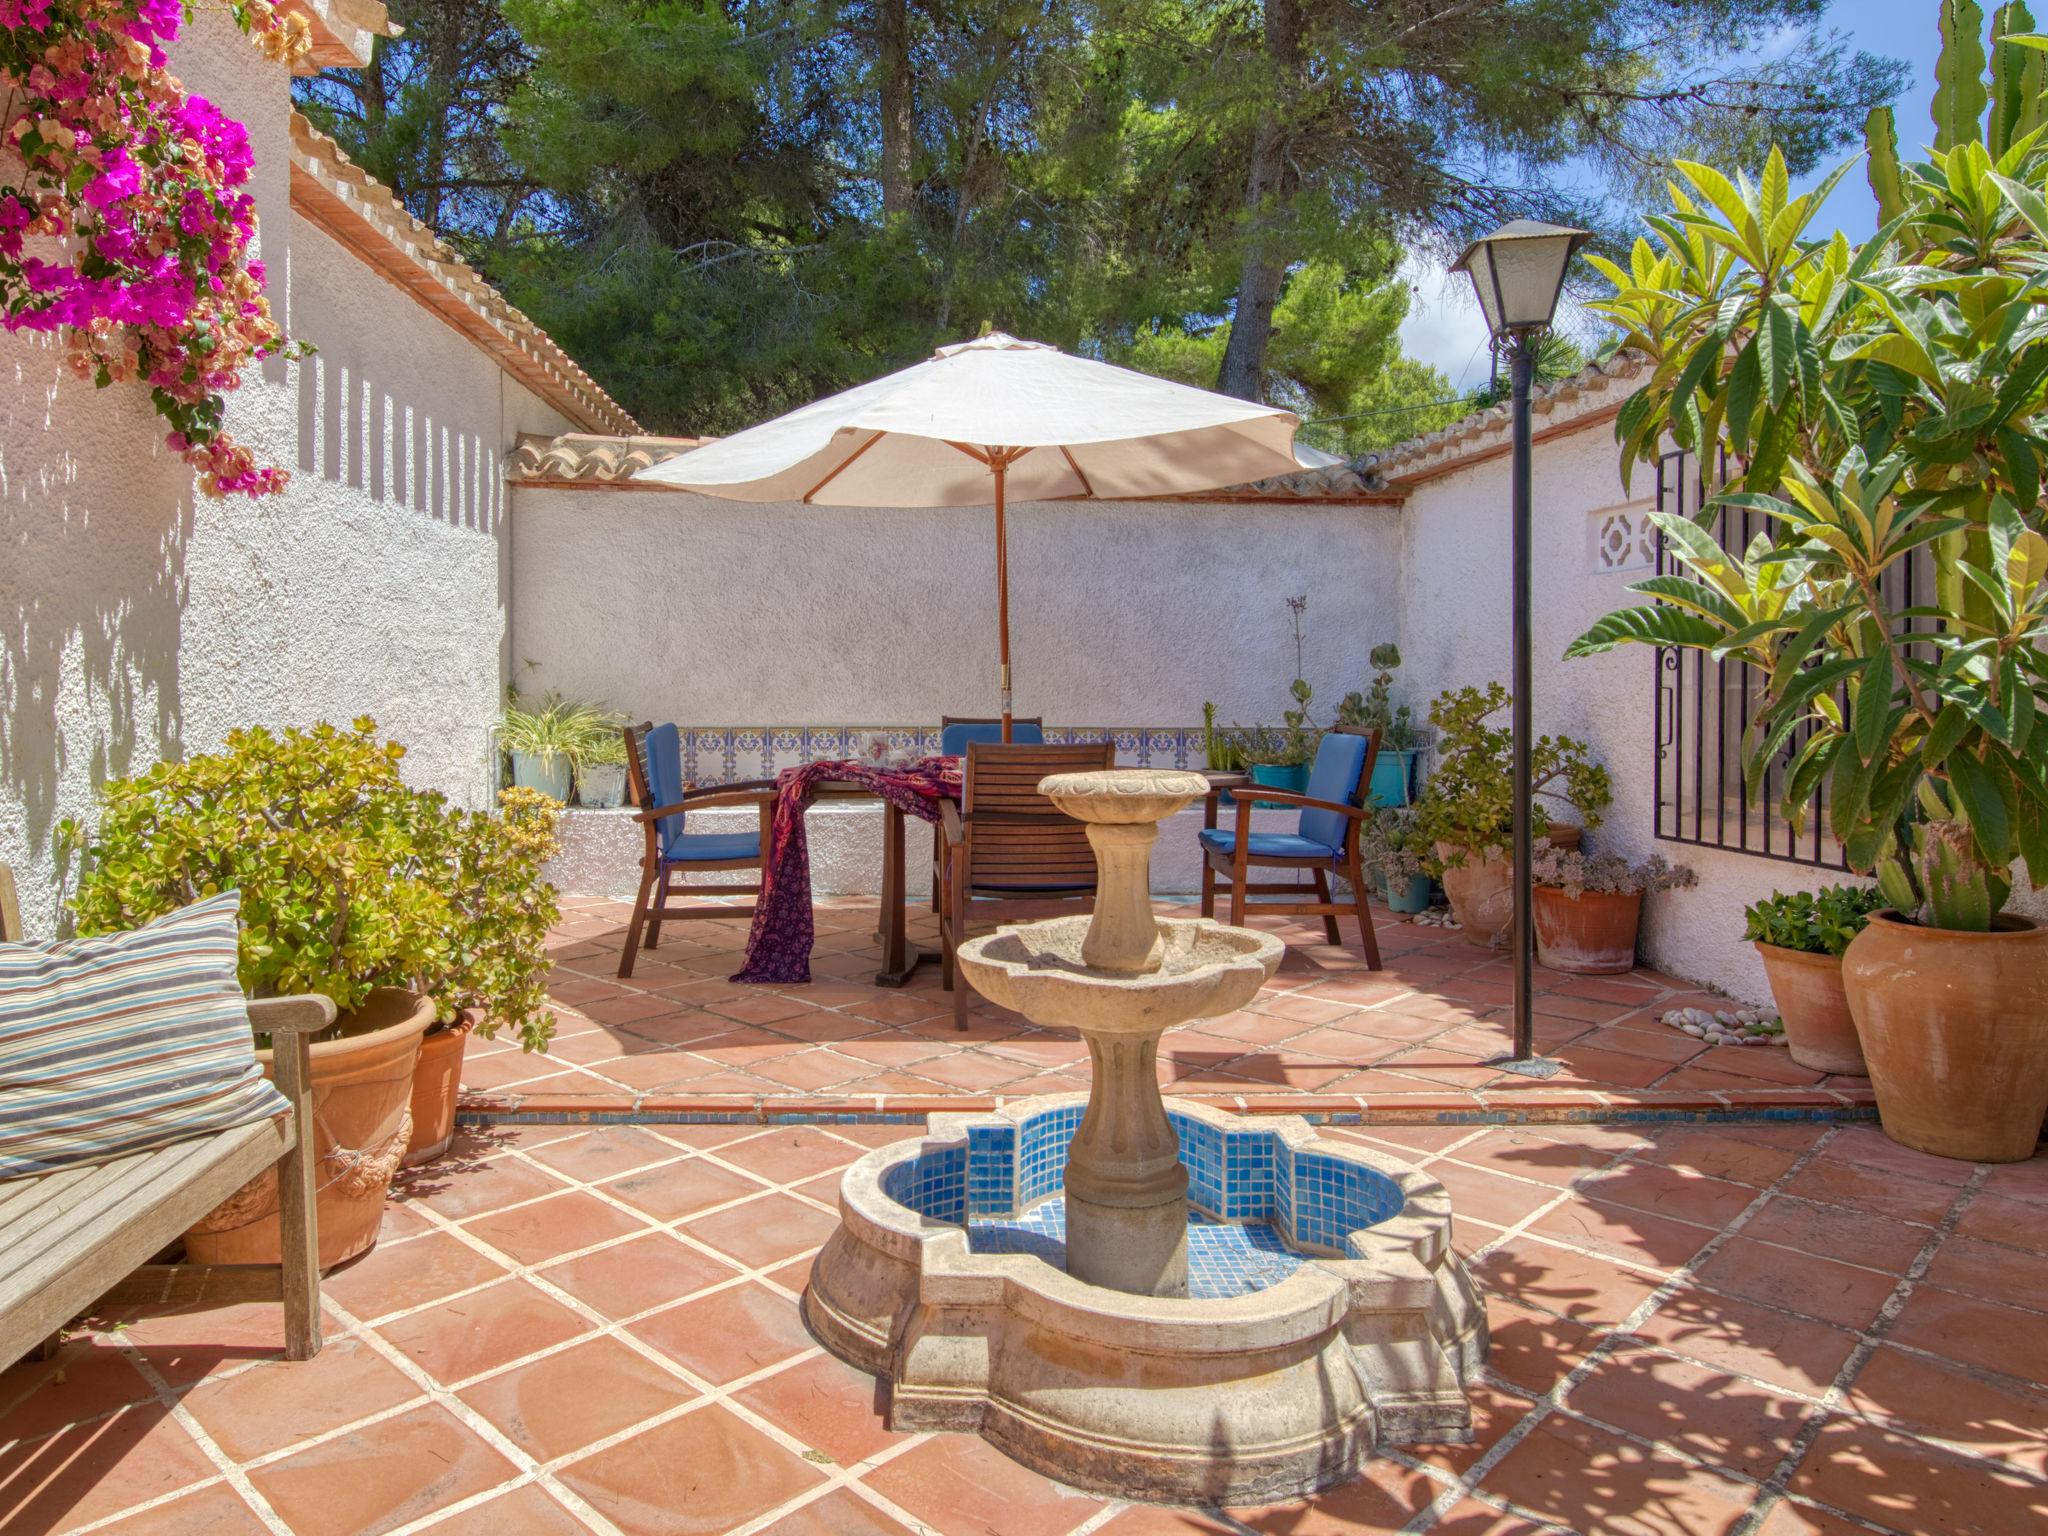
[87,1378]
[698,1475]
[728,1334]
[1721,1419]
[410,1274]
[1521,1152]
[1381,1499]
[1491,1197]
[1738,1336]
[1971,1409]
[970,1071]
[1904,1485]
[216,1510]
[1165,1520]
[961,1486]
[826,1404]
[841,1512]
[605,1152]
[1659,1044]
[2026,1181]
[765,1231]
[1577,1286]
[2018,1223]
[455,1340]
[456,1192]
[1838,1233]
[1789,1519]
[528,1510]
[1880,1191]
[1587,1479]
[677,1190]
[1475,1517]
[277,1402]
[546,1229]
[1868,1147]
[811,1071]
[1494,1413]
[630,1277]
[90,1471]
[565,1401]
[1622,1233]
[1719,1156]
[1623,1069]
[1666,1191]
[1841,1294]
[1533,1350]
[1976,1332]
[654,1071]
[382,1475]
[186,1344]
[791,1153]
[1990,1270]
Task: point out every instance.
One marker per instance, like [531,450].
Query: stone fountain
[1181,1305]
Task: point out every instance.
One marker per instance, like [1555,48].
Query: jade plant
[1820,922]
[1577,873]
[350,879]
[1879,403]
[1375,707]
[1469,805]
[1393,845]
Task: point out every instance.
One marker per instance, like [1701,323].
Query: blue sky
[1443,326]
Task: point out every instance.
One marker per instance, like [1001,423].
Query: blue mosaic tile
[1224,1258]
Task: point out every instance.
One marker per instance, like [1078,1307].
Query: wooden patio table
[900,957]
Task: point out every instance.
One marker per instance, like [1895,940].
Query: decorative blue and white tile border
[720,754]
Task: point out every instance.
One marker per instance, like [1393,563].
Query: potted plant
[1466,816]
[1395,851]
[1589,907]
[547,744]
[323,839]
[1800,937]
[1882,403]
[1282,758]
[601,772]
[491,970]
[1393,772]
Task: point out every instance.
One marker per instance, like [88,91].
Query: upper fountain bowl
[1036,969]
[1122,796]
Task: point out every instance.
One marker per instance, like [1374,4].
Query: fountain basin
[1037,969]
[1335,1317]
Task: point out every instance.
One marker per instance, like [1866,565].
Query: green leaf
[1777,347]
[1951,724]
[1693,595]
[1661,625]
[1872,708]
[1983,805]
[1745,383]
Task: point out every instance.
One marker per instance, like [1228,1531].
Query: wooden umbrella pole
[999,462]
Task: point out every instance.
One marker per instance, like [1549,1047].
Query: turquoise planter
[1393,778]
[1293,778]
[549,775]
[1410,895]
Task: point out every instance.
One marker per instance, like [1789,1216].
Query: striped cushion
[128,1041]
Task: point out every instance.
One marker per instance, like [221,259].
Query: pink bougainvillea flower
[119,177]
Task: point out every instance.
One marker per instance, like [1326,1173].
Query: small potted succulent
[1395,851]
[1801,938]
[1466,815]
[1589,907]
[1393,772]
[601,772]
[549,743]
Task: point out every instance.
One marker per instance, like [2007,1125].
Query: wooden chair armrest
[952,825]
[1289,797]
[303,1015]
[748,792]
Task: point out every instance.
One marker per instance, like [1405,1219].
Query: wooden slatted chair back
[1016,840]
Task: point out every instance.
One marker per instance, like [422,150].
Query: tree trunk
[892,58]
[1269,188]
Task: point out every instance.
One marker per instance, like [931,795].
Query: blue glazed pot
[549,775]
[1292,777]
[1393,778]
[1410,895]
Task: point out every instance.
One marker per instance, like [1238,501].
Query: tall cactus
[2018,77]
[1881,140]
[1959,94]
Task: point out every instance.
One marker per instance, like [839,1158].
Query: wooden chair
[79,1239]
[1324,840]
[654,790]
[1005,842]
[955,732]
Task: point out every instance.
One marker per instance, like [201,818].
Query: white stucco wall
[138,620]
[672,606]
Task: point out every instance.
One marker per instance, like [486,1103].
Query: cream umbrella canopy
[992,420]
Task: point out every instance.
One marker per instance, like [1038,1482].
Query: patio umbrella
[990,420]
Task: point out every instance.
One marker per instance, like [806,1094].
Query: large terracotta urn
[1811,1001]
[1955,1030]
[1481,890]
[436,1082]
[362,1117]
[1590,934]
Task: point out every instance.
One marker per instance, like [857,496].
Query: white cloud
[1444,327]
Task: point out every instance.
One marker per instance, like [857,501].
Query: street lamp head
[1518,272]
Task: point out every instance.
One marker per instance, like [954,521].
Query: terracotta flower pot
[1591,934]
[1808,991]
[1482,891]
[362,1114]
[1955,1029]
[436,1081]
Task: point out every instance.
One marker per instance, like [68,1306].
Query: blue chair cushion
[689,848]
[1340,759]
[954,738]
[661,759]
[1269,845]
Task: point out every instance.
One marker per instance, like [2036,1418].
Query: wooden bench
[82,1238]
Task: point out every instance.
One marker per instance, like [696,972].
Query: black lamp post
[1518,273]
